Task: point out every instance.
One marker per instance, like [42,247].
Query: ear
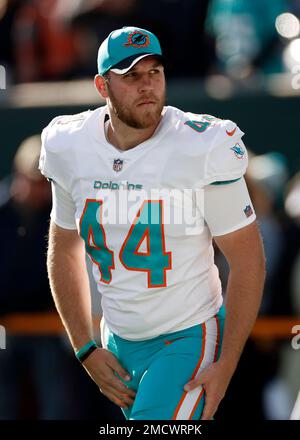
[101,86]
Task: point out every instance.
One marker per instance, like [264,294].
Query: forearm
[244,292]
[70,289]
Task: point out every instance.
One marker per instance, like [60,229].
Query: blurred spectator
[286,290]
[283,286]
[292,207]
[245,34]
[40,378]
[59,39]
[24,222]
[291,358]
[92,21]
[43,42]
[33,368]
[8,11]
[179,24]
[266,177]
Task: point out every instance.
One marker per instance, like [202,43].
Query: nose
[146,83]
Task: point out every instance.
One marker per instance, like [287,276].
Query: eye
[130,75]
[154,71]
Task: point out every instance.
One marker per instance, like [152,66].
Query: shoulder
[62,129]
[203,128]
[217,143]
[212,128]
[59,139]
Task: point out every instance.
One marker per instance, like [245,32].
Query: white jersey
[141,214]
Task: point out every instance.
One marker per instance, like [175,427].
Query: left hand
[215,379]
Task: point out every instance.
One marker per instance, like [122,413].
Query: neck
[124,137]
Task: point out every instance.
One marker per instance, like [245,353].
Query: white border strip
[209,348]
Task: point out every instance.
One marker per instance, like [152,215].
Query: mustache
[147,98]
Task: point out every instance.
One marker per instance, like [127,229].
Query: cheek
[161,87]
[123,94]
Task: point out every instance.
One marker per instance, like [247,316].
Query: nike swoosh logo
[231,133]
[173,340]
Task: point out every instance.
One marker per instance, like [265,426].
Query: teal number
[92,231]
[199,126]
[147,227]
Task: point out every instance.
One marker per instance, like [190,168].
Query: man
[162,307]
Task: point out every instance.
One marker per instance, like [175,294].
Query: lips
[146,103]
[147,100]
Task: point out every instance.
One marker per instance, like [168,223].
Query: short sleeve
[227,207]
[46,162]
[54,161]
[54,165]
[227,158]
[43,161]
[63,207]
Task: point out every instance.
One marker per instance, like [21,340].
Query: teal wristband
[86,350]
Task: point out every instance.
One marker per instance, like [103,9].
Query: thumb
[194,383]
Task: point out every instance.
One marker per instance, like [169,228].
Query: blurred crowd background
[236,59]
[45,40]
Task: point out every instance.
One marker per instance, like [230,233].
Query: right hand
[101,365]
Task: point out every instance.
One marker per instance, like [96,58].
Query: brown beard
[127,117]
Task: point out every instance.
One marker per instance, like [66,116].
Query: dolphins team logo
[138,39]
[239,151]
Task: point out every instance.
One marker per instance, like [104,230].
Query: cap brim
[125,65]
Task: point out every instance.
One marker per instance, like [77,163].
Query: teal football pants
[160,367]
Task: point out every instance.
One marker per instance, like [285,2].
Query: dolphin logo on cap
[138,39]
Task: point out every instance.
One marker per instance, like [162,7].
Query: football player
[143,188]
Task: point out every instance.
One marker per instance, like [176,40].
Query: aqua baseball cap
[123,48]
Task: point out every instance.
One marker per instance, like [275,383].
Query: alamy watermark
[296,339]
[2,338]
[182,209]
[2,77]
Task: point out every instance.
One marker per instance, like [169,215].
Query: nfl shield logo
[118,165]
[248,211]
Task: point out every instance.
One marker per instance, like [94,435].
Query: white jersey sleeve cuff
[227,207]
